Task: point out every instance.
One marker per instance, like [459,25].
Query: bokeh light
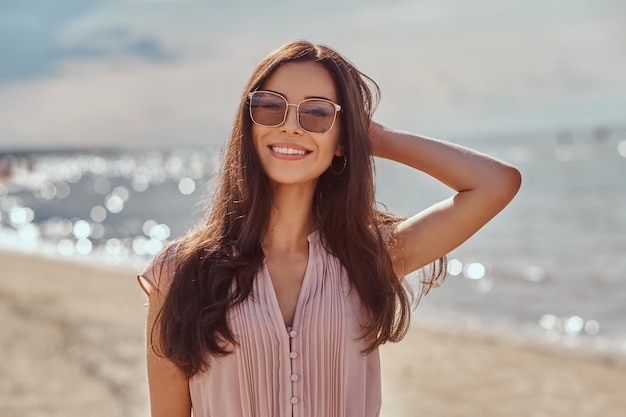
[98,214]
[455,267]
[82,229]
[20,216]
[475,270]
[84,246]
[574,324]
[187,186]
[114,203]
[592,327]
[63,190]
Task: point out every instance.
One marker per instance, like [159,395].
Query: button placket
[294,377]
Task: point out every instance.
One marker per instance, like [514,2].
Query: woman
[276,303]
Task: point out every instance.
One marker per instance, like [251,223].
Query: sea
[550,269]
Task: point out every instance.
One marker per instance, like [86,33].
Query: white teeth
[288,151]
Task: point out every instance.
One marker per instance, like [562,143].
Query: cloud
[32,43]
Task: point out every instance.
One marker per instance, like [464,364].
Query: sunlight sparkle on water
[455,267]
[140,245]
[159,232]
[82,229]
[116,248]
[7,204]
[122,192]
[592,327]
[174,166]
[48,191]
[111,180]
[84,246]
[97,165]
[574,324]
[65,227]
[548,321]
[72,173]
[20,216]
[63,190]
[475,270]
[187,186]
[97,231]
[114,203]
[140,183]
[98,214]
[147,226]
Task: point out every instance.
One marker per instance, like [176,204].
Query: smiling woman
[305,133]
[277,302]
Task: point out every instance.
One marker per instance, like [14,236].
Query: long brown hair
[225,248]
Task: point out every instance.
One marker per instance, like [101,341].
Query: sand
[72,343]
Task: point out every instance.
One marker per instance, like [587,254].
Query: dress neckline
[304,286]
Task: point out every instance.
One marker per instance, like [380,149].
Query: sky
[167,73]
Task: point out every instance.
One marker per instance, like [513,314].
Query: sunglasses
[315,115]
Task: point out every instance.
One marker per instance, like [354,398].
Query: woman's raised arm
[483,184]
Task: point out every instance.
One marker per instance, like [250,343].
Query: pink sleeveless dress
[314,369]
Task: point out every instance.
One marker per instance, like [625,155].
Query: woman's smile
[289,152]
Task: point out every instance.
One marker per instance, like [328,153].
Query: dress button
[293,333]
[294,377]
[293,355]
[294,400]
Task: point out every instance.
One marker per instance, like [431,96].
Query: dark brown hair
[217,261]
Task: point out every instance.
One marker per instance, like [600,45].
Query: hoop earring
[343,168]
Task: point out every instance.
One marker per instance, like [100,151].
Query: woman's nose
[291,121]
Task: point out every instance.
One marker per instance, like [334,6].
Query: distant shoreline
[577,347]
[586,130]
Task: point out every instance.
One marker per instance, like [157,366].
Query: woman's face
[289,154]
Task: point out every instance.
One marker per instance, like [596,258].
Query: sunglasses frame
[335,105]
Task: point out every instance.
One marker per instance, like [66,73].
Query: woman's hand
[483,184]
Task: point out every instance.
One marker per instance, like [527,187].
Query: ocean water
[552,265]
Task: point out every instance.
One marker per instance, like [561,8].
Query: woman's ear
[339,150]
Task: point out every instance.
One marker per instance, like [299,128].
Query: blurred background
[113,114]
[154,73]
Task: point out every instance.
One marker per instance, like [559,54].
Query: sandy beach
[72,343]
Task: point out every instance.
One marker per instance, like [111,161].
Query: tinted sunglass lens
[267,109]
[316,116]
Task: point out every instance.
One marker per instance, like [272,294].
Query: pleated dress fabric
[315,368]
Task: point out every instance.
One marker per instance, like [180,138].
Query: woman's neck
[291,220]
